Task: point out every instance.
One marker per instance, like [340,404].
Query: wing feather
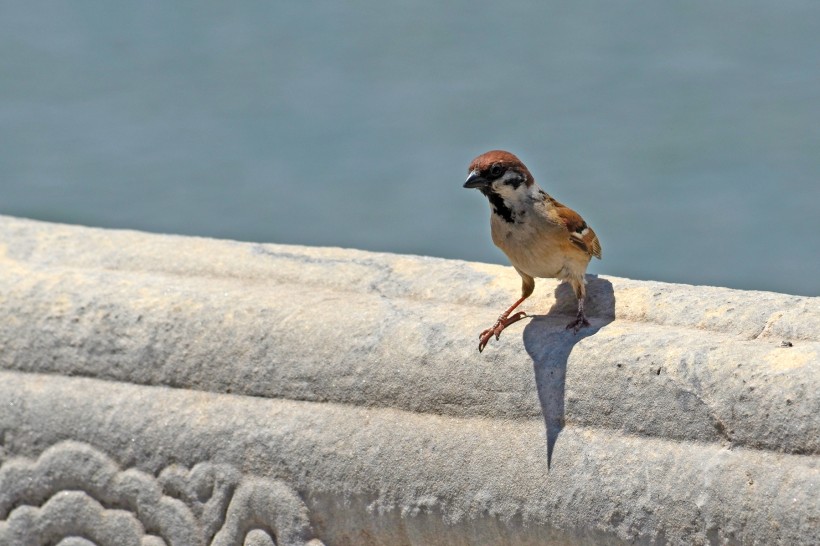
[580,234]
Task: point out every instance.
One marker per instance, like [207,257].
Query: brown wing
[580,234]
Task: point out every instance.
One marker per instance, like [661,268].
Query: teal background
[686,133]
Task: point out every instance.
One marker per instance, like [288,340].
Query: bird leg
[580,319]
[503,321]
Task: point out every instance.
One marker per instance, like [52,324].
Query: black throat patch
[499,206]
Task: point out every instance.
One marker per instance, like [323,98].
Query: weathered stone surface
[337,395]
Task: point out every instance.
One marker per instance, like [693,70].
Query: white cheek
[509,175]
[506,191]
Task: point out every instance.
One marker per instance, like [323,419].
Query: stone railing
[174,390]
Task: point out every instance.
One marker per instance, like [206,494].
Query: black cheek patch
[515,182]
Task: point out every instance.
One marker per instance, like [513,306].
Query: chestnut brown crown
[493,164]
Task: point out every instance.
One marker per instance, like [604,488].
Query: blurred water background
[686,133]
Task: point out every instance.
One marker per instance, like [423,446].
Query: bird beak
[475,180]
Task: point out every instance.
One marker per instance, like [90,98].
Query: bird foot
[579,322]
[497,328]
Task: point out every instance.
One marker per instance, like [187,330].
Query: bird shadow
[549,344]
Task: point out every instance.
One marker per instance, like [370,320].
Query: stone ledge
[686,385]
[384,473]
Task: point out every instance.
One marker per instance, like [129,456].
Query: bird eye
[496,169]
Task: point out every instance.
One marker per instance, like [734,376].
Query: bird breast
[538,247]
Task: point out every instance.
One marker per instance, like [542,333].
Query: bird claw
[484,338]
[579,322]
[497,328]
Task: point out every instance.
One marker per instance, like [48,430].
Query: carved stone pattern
[74,495]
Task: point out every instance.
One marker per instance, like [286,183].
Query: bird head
[499,173]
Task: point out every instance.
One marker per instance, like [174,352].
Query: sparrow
[540,236]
